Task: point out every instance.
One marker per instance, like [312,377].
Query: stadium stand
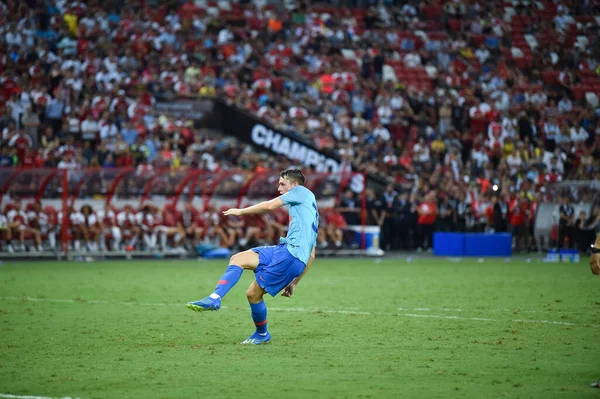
[473,112]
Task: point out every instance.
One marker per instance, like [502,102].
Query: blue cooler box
[448,244]
[472,244]
[483,244]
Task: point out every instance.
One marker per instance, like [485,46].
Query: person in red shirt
[22,143]
[335,225]
[170,226]
[213,231]
[188,10]
[90,228]
[519,214]
[427,211]
[192,223]
[19,226]
[28,160]
[255,229]
[126,159]
[233,226]
[127,225]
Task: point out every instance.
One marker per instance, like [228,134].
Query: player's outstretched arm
[263,207]
[289,290]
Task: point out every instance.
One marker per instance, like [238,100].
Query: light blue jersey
[304,222]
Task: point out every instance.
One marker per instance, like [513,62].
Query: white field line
[308,310]
[506,310]
[101,302]
[6,395]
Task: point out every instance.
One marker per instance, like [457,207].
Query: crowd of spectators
[148,228]
[444,99]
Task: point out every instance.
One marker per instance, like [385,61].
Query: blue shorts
[276,268]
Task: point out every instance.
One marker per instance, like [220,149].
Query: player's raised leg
[259,315]
[238,262]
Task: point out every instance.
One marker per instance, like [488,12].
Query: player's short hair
[293,175]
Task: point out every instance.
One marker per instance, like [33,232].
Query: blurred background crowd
[469,109]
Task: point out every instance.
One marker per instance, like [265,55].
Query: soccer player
[19,225]
[214,232]
[169,227]
[147,223]
[127,226]
[108,226]
[277,267]
[91,229]
[192,224]
[76,226]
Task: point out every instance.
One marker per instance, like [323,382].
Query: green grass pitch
[355,328]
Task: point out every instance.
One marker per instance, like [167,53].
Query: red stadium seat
[432,11]
[579,91]
[550,77]
[455,25]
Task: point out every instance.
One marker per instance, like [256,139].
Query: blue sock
[228,280]
[259,315]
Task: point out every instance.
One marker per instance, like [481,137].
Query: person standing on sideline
[566,224]
[595,266]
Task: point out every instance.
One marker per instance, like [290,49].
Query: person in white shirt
[87,22]
[539,98]
[480,157]
[578,133]
[313,123]
[340,129]
[385,113]
[13,37]
[4,228]
[483,108]
[396,102]
[564,135]
[89,128]
[563,20]
[509,127]
[390,158]
[224,36]
[501,100]
[39,220]
[555,160]
[565,105]
[71,62]
[412,60]
[482,54]
[108,227]
[382,132]
[128,224]
[108,129]
[17,223]
[68,162]
[16,108]
[148,225]
[91,231]
[514,162]
[358,121]
[421,151]
[76,226]
[408,11]
[551,129]
[392,37]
